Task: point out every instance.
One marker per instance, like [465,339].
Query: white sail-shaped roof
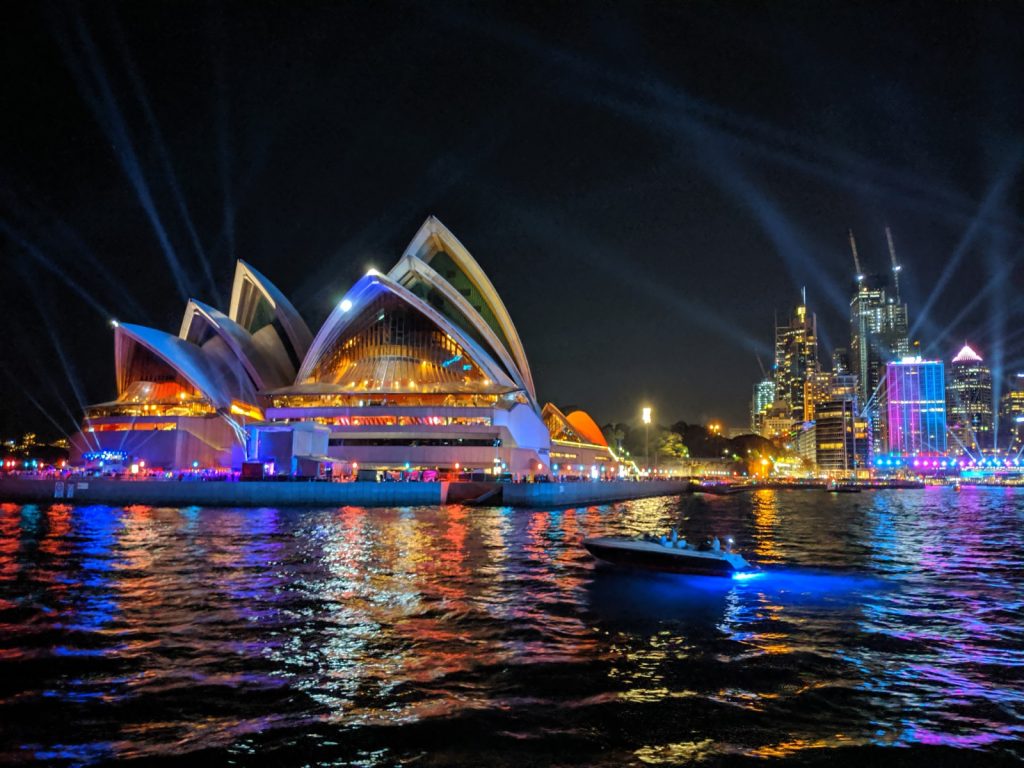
[185,359]
[421,279]
[268,367]
[257,304]
[366,295]
[435,245]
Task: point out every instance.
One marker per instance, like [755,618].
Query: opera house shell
[417,369]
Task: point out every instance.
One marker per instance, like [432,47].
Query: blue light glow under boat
[747,575]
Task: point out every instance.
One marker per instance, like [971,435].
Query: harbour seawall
[571,494]
[172,493]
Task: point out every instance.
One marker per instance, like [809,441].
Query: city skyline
[808,408]
[136,169]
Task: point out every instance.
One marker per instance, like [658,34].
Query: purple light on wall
[916,407]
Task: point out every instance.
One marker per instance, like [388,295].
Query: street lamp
[645,415]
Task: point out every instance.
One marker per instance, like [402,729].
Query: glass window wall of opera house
[414,370]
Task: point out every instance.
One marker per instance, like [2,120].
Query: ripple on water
[456,636]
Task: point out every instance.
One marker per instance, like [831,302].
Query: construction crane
[856,258]
[764,373]
[895,267]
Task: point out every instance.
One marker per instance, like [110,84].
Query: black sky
[645,185]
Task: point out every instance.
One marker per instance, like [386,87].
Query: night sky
[645,185]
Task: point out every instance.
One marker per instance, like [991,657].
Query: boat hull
[717,490]
[663,559]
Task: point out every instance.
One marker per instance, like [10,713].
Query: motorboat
[663,554]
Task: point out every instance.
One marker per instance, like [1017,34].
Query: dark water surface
[888,629]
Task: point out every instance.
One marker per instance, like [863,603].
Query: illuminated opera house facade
[417,369]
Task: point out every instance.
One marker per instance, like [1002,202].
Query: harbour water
[886,628]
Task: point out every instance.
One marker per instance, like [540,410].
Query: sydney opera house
[417,369]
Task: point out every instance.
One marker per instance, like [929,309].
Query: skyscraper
[817,390]
[841,432]
[1012,403]
[1011,409]
[796,360]
[916,406]
[764,396]
[969,401]
[841,435]
[878,335]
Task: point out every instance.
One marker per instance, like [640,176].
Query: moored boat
[843,488]
[717,489]
[658,555]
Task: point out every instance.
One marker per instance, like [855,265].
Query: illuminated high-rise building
[841,436]
[841,431]
[878,335]
[916,406]
[796,360]
[764,396]
[1011,412]
[1012,403]
[817,390]
[843,386]
[969,401]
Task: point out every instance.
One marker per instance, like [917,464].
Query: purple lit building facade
[916,406]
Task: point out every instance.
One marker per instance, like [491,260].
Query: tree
[615,434]
[754,445]
[671,445]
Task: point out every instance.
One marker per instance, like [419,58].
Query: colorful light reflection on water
[488,636]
